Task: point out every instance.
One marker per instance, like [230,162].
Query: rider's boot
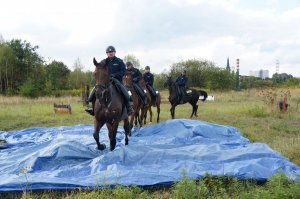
[145,103]
[129,108]
[126,96]
[92,98]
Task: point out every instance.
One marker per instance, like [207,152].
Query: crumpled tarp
[66,157]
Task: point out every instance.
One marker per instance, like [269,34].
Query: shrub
[28,89]
[258,111]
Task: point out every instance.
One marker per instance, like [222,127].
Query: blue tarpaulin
[66,157]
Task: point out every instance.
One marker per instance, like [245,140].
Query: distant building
[263,74]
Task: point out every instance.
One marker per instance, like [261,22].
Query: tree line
[24,72]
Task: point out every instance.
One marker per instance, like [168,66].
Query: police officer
[136,77]
[116,71]
[149,78]
[181,82]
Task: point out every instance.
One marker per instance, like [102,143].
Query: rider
[181,82]
[149,78]
[116,70]
[136,77]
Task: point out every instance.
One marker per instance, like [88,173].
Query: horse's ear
[95,62]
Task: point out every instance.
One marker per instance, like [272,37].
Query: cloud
[159,32]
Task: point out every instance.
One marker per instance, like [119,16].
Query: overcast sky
[160,32]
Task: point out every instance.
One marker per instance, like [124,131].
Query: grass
[246,110]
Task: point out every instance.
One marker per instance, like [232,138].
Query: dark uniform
[116,71]
[116,68]
[149,78]
[181,82]
[136,77]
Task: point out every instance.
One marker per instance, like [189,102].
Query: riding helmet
[129,63]
[110,49]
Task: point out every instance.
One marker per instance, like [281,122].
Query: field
[253,112]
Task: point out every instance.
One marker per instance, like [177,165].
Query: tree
[78,70]
[1,39]
[7,62]
[203,73]
[26,61]
[280,78]
[57,75]
[135,61]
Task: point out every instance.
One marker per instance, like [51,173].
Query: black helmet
[184,71]
[110,49]
[147,68]
[129,63]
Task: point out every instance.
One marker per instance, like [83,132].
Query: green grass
[245,110]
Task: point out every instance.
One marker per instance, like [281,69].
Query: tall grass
[278,186]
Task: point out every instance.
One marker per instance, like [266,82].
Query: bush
[28,89]
[185,188]
[258,111]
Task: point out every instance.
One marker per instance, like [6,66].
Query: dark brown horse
[191,98]
[137,104]
[151,103]
[109,107]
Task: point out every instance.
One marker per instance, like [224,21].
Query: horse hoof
[112,148]
[102,147]
[150,122]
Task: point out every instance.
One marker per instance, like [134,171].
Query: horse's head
[101,72]
[168,81]
[127,79]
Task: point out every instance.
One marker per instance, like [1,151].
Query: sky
[160,32]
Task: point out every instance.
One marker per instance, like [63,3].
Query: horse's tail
[203,95]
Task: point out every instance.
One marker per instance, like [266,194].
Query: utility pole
[277,66]
[237,74]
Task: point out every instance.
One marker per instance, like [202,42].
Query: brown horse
[109,107]
[151,103]
[137,104]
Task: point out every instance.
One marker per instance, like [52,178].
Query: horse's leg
[158,112]
[173,110]
[196,109]
[98,126]
[136,118]
[151,114]
[145,109]
[145,116]
[131,120]
[127,130]
[112,132]
[139,118]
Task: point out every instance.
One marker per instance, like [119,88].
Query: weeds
[258,111]
[278,186]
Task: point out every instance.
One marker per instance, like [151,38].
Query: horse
[151,103]
[109,107]
[191,98]
[137,104]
